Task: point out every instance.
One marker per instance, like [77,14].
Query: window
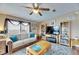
[13,27]
[17,27]
[25,27]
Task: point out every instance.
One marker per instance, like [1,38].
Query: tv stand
[52,38]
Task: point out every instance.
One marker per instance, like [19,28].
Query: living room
[54,25]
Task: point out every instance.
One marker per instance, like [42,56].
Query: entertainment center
[59,34]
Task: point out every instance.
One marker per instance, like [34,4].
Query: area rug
[55,50]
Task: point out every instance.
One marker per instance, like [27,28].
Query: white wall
[35,27]
[75,28]
[2,21]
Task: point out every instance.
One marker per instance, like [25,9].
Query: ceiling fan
[36,9]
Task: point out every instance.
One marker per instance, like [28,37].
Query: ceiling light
[35,11]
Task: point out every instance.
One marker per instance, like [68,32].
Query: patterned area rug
[55,50]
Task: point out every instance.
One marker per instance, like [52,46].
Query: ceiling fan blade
[39,13]
[31,13]
[45,9]
[35,5]
[27,7]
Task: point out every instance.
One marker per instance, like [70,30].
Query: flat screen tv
[52,30]
[49,30]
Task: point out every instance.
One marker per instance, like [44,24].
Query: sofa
[5,41]
[23,41]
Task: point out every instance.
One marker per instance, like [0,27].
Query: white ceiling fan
[36,9]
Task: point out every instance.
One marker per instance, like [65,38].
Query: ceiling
[16,9]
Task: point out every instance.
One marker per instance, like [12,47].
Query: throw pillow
[32,35]
[14,38]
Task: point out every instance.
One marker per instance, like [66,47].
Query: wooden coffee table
[45,46]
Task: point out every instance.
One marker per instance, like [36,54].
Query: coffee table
[42,45]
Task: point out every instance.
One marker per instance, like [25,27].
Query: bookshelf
[65,35]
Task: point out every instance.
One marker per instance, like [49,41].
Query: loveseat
[23,40]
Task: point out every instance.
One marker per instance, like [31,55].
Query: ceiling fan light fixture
[36,11]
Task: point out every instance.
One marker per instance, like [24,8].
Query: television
[53,30]
[49,30]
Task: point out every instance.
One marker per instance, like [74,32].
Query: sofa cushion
[24,36]
[14,38]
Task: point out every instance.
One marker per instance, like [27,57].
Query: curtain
[14,22]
